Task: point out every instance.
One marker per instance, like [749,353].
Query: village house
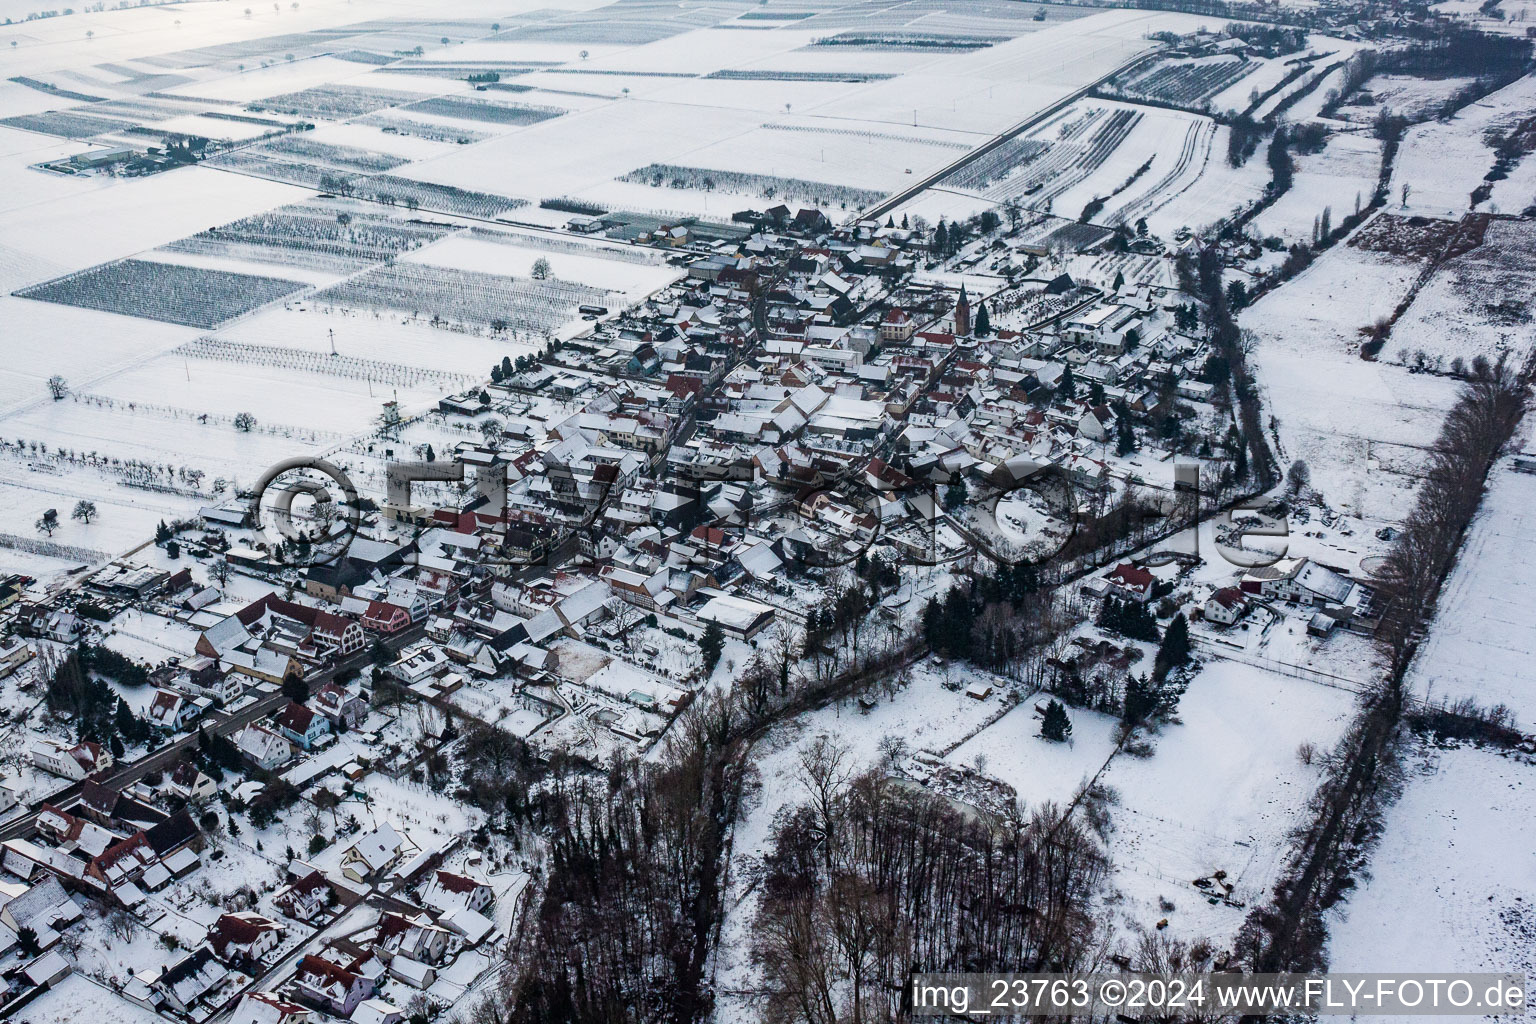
[372,853]
[1225,606]
[265,748]
[306,898]
[344,708]
[1130,583]
[244,939]
[329,986]
[189,979]
[269,1008]
[71,762]
[302,726]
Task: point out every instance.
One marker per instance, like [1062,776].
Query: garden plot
[304,161]
[1066,151]
[1217,189]
[67,124]
[392,190]
[464,297]
[422,128]
[1478,303]
[765,186]
[557,157]
[1220,792]
[1483,640]
[1359,425]
[136,429]
[356,135]
[1161,150]
[194,297]
[126,515]
[1039,770]
[1340,180]
[509,114]
[131,215]
[492,253]
[1449,888]
[868,160]
[1440,164]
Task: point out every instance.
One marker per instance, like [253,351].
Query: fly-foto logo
[1021,512]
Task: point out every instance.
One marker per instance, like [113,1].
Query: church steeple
[963,313]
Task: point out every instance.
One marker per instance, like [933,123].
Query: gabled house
[448,890]
[189,979]
[383,617]
[302,726]
[264,747]
[342,707]
[415,938]
[269,1008]
[329,986]
[171,712]
[372,853]
[71,762]
[1130,583]
[306,898]
[188,782]
[1225,606]
[243,940]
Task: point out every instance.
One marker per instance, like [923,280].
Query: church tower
[962,314]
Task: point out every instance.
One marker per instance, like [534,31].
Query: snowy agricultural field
[1341,179]
[1413,98]
[1040,771]
[1442,163]
[1483,640]
[1209,190]
[1361,426]
[1450,888]
[1220,792]
[1476,304]
[514,256]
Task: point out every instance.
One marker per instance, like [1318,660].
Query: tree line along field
[464,296]
[191,296]
[769,186]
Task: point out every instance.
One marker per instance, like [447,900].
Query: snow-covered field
[1452,886]
[1483,639]
[1340,180]
[1220,793]
[1441,163]
[1476,304]
[1359,425]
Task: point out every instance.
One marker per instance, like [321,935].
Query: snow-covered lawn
[1220,792]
